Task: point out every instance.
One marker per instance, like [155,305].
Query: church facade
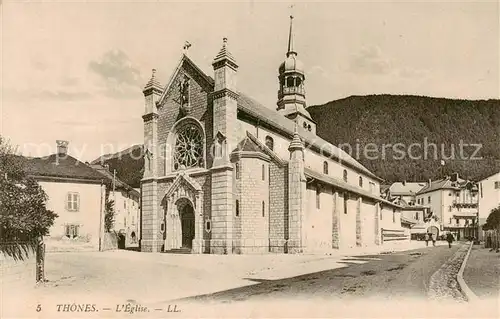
[226,175]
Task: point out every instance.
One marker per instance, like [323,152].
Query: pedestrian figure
[426,239]
[449,239]
[433,238]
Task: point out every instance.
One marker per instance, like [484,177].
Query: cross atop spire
[291,49]
[186,47]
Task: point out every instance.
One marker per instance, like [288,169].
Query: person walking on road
[426,239]
[449,239]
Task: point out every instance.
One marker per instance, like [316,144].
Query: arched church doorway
[186,214]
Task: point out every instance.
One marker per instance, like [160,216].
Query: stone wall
[254,207]
[278,208]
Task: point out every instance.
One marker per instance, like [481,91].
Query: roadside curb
[469,294]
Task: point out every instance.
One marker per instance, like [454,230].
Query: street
[111,280]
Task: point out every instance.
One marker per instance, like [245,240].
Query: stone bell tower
[291,94]
[225,100]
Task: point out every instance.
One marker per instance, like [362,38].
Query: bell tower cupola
[291,94]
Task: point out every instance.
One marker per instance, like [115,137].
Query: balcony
[292,90]
[464,205]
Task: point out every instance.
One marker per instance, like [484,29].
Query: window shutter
[68,201]
[77,202]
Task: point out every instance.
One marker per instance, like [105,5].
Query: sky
[75,70]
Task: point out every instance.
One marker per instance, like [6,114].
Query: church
[225,174]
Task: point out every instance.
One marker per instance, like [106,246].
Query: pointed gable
[183,181]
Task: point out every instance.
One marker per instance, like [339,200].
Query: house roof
[276,120]
[446,183]
[406,188]
[60,166]
[409,220]
[343,185]
[119,184]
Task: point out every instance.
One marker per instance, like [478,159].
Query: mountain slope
[128,163]
[386,120]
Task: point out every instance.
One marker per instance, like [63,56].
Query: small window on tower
[263,209]
[325,167]
[318,194]
[270,142]
[346,198]
[345,176]
[237,208]
[263,172]
[299,81]
[237,170]
[289,81]
[360,181]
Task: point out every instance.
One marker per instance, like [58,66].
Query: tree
[493,225]
[109,214]
[24,216]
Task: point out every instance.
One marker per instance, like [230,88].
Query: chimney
[429,182]
[62,147]
[454,177]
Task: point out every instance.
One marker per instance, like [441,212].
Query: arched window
[298,81]
[345,176]
[270,142]
[289,81]
[188,149]
[237,208]
[263,209]
[325,167]
[360,181]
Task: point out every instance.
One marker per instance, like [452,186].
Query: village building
[126,204]
[414,216]
[454,203]
[225,174]
[489,198]
[76,193]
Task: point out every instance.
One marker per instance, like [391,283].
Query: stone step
[179,251]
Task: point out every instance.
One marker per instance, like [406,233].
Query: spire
[153,82]
[296,143]
[291,49]
[224,55]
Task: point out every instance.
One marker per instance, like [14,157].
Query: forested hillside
[386,120]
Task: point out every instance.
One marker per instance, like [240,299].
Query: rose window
[188,150]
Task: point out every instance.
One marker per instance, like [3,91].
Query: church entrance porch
[183,220]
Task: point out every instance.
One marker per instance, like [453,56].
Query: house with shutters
[76,193]
[225,174]
[454,203]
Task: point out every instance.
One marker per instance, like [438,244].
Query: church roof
[345,186]
[277,122]
[247,145]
